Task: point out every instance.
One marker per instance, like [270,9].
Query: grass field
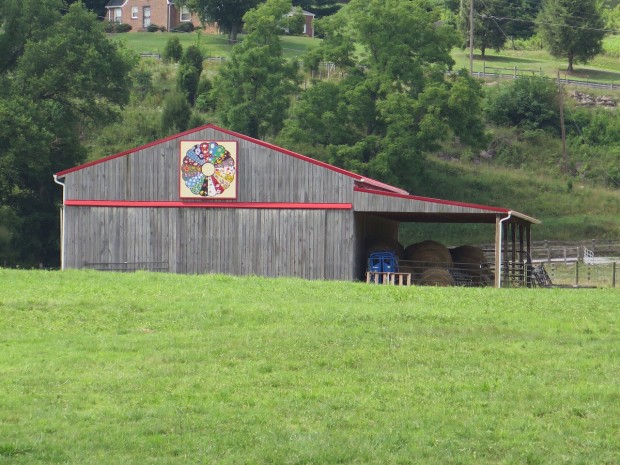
[212,45]
[104,368]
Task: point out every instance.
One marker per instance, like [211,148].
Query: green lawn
[105,368]
[213,45]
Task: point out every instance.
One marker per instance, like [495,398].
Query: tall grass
[104,368]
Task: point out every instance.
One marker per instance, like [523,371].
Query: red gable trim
[305,158]
[429,199]
[200,204]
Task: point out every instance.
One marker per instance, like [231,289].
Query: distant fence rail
[516,72]
[591,252]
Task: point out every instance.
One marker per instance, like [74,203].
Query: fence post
[576,273]
[548,251]
[515,72]
[613,274]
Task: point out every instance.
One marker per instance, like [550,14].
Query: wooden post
[562,128]
[498,256]
[471,38]
[576,273]
[613,274]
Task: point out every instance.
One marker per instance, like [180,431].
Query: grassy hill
[105,368]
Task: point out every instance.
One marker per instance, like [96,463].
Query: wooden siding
[311,244]
[367,202]
[263,175]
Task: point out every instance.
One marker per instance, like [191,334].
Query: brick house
[142,13]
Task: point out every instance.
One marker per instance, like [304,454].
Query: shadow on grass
[504,59]
[592,75]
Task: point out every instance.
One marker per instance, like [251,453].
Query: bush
[112,27]
[526,102]
[155,28]
[205,100]
[184,27]
[173,50]
[176,114]
[193,57]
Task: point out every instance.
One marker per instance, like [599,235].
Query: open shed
[210,200]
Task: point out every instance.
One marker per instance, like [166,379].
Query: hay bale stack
[386,245]
[471,261]
[425,255]
[436,277]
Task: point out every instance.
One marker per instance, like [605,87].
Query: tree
[395,102]
[228,14]
[176,113]
[571,29]
[173,51]
[190,69]
[255,85]
[58,75]
[488,21]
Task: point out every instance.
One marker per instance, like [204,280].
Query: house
[309,23]
[210,200]
[140,14]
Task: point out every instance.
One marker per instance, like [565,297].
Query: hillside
[526,176]
[105,368]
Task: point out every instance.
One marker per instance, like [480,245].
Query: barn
[210,200]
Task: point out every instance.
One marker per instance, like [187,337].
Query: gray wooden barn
[210,200]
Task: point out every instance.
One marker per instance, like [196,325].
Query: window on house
[117,15]
[186,15]
[134,12]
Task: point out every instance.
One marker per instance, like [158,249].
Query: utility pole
[562,128]
[471,38]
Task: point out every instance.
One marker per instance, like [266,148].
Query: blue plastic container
[382,262]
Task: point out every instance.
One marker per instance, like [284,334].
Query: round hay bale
[471,260]
[435,277]
[428,254]
[386,245]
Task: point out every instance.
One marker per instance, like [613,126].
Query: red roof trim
[240,136]
[429,199]
[201,204]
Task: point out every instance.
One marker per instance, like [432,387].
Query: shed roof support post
[498,251]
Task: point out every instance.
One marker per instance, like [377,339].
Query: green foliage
[394,103]
[488,24]
[572,29]
[176,114]
[155,28]
[114,27]
[294,22]
[530,103]
[142,82]
[173,50]
[254,86]
[184,27]
[205,100]
[57,75]
[129,368]
[190,69]
[227,14]
[192,56]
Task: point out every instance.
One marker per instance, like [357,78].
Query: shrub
[187,81]
[205,100]
[184,27]
[112,27]
[173,50]
[526,102]
[176,114]
[155,28]
[193,57]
